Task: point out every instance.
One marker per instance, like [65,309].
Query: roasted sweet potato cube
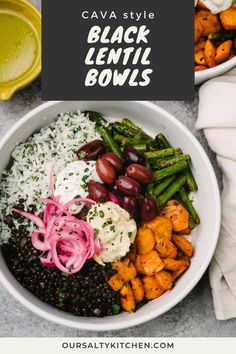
[138,264]
[127,298]
[144,240]
[165,248]
[198,29]
[183,244]
[138,290]
[176,266]
[177,214]
[151,287]
[209,22]
[186,231]
[199,58]
[200,45]
[183,267]
[228,18]
[151,263]
[224,51]
[115,282]
[160,225]
[173,264]
[200,67]
[165,279]
[180,255]
[125,269]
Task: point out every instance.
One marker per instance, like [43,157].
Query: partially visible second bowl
[204,75]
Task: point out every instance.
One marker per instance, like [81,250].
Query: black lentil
[85,293]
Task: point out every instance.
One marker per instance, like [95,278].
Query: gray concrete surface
[193,317]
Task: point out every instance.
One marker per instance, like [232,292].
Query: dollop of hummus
[115,229]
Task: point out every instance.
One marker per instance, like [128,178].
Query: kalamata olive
[130,204]
[128,185]
[97,192]
[105,171]
[114,160]
[140,173]
[92,150]
[115,190]
[149,208]
[131,155]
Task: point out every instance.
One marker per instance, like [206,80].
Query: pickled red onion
[67,241]
[113,198]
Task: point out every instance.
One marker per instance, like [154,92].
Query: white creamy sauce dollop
[216,6]
[115,229]
[72,181]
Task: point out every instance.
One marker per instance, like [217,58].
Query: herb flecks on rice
[28,177]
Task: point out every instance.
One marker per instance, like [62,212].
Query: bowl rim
[56,318]
[216,70]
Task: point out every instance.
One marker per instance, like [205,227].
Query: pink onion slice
[39,222]
[68,241]
[113,198]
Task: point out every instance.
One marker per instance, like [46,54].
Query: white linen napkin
[217,117]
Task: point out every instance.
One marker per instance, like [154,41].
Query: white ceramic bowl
[153,119]
[204,75]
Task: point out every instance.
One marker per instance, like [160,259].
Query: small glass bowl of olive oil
[20,46]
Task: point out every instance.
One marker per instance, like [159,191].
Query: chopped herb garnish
[85,177]
[101,214]
[96,232]
[82,154]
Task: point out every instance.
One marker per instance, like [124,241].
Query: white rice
[28,177]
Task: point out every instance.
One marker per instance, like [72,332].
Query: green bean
[171,161]
[189,205]
[160,187]
[110,143]
[118,138]
[192,224]
[130,124]
[169,192]
[135,127]
[171,170]
[127,141]
[96,117]
[140,147]
[162,141]
[150,190]
[158,154]
[191,182]
[120,128]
